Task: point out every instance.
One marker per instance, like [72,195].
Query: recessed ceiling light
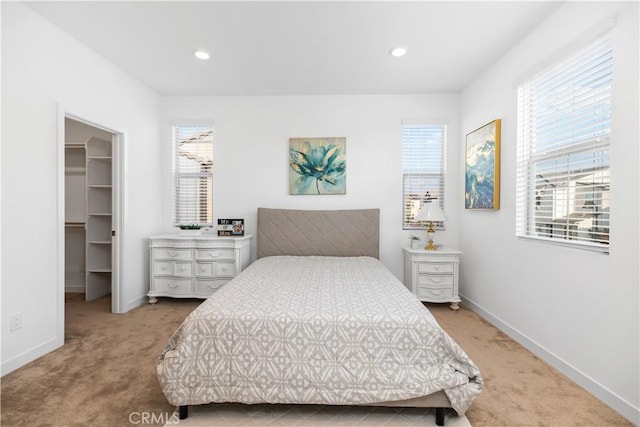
[398,51]
[201,54]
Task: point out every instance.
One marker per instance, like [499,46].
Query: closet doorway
[91,211]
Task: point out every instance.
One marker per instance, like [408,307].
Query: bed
[316,319]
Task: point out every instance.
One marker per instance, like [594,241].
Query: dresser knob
[214,254]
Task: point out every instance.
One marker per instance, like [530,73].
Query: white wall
[576,309]
[41,68]
[251,160]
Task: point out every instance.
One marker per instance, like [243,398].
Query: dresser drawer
[215,269]
[435,267]
[214,254]
[172,286]
[171,253]
[435,280]
[171,268]
[435,292]
[207,287]
[225,269]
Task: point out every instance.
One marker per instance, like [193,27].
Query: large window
[564,130]
[423,169]
[193,174]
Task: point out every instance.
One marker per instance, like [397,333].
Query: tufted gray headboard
[328,233]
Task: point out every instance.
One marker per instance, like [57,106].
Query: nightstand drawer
[435,280]
[436,293]
[171,253]
[173,286]
[207,287]
[435,267]
[214,254]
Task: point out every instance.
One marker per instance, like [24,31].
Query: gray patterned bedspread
[321,330]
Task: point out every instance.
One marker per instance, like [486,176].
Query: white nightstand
[432,276]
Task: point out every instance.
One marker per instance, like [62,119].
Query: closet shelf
[99,242]
[99,270]
[74,224]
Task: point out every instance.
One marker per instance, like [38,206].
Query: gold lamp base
[430,246]
[430,232]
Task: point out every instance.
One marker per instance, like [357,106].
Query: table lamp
[430,212]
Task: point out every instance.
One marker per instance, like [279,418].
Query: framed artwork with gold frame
[482,167]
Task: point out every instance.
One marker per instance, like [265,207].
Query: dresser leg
[153,300]
[454,306]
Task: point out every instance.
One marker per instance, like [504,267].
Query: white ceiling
[298,48]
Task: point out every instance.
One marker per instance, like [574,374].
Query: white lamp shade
[430,212]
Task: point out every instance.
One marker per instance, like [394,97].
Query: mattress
[316,330]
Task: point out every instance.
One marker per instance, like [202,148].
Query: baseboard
[136,302]
[74,289]
[624,408]
[29,356]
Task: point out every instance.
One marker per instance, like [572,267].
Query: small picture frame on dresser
[230,227]
[237,228]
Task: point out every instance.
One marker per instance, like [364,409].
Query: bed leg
[183,411]
[439,416]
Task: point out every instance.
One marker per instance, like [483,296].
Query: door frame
[118,142]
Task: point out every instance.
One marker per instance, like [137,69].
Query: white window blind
[193,173]
[564,129]
[423,169]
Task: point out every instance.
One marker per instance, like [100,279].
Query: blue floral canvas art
[318,165]
[482,167]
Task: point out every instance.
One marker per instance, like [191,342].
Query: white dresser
[432,276]
[183,266]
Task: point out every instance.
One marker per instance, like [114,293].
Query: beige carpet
[105,375]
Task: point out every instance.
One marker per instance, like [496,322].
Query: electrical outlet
[15,322]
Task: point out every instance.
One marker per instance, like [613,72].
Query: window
[564,129]
[193,173]
[423,168]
